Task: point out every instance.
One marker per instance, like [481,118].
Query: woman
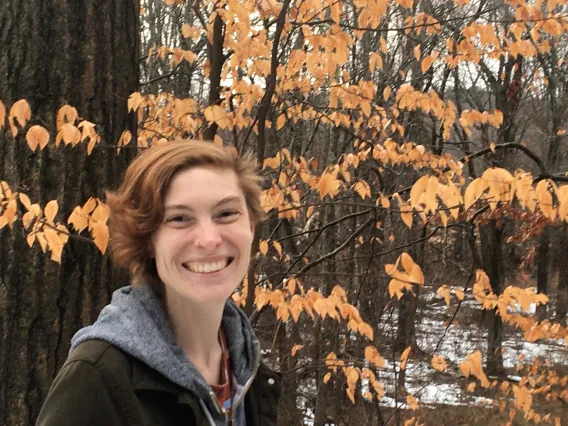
[173,349]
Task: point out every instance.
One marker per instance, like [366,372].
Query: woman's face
[202,247]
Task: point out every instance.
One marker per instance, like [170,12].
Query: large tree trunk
[84,53]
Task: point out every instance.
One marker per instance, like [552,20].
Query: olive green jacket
[102,385]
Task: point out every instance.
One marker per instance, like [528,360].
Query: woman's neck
[196,332]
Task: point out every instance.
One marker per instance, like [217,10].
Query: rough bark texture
[562,298]
[84,53]
[492,259]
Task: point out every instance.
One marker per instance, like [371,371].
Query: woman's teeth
[204,267]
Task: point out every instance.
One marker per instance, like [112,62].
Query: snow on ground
[453,343]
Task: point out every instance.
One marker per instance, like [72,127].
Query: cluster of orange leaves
[43,228]
[37,136]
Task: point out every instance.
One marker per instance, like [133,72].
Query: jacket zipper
[247,384]
[220,409]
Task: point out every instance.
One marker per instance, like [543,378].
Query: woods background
[414,154]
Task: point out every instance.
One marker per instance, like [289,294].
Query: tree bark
[83,53]
[562,292]
[492,261]
[543,267]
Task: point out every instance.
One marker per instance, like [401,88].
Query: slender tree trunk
[543,268]
[492,261]
[84,53]
[562,298]
[324,407]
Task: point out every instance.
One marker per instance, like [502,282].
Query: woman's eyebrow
[225,200]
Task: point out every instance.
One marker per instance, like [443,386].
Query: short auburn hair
[137,207]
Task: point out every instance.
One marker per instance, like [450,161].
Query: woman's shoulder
[87,388]
[101,354]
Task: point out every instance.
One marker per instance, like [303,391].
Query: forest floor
[444,397]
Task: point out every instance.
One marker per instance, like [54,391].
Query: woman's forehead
[204,186]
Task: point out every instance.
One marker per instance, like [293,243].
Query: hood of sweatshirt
[136,323]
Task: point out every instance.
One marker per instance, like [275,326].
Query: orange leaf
[426,63]
[406,214]
[326,377]
[404,358]
[328,185]
[2,115]
[412,402]
[373,356]
[189,31]
[100,235]
[100,214]
[366,330]
[54,243]
[363,189]
[218,115]
[124,140]
[25,200]
[50,211]
[280,121]
[417,190]
[264,247]
[134,101]
[405,3]
[351,394]
[277,247]
[37,136]
[21,112]
[439,363]
[66,114]
[459,294]
[295,349]
[407,262]
[69,134]
[523,398]
[78,219]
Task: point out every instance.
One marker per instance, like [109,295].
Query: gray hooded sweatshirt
[135,322]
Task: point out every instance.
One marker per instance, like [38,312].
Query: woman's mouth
[208,267]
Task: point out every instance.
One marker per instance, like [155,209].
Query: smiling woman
[173,348]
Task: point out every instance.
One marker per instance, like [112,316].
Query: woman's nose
[207,235]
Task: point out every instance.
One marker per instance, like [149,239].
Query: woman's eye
[178,219]
[228,215]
